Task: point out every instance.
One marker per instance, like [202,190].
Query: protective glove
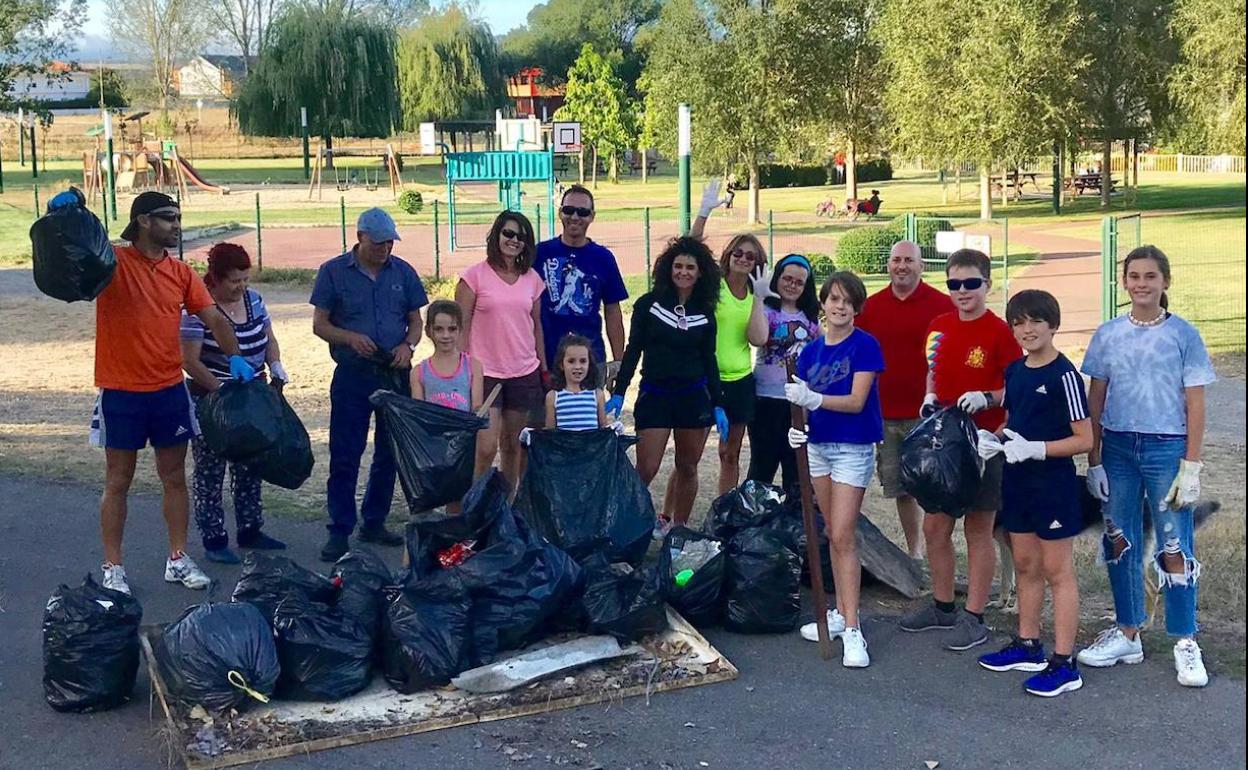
[797,438]
[1098,483]
[240,369]
[973,401]
[711,199]
[760,277]
[798,392]
[1185,489]
[614,406]
[930,407]
[526,436]
[64,200]
[610,371]
[1020,450]
[721,423]
[279,371]
[989,445]
[618,427]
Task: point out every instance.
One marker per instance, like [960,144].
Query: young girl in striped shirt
[575,402]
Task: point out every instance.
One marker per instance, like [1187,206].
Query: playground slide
[199,181]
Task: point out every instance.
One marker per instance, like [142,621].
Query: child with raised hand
[1041,506]
[836,381]
[449,377]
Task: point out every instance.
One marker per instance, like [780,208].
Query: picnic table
[1014,179]
[1091,181]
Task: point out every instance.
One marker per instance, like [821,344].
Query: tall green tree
[32,34]
[1207,85]
[719,57]
[449,69]
[596,97]
[988,81]
[111,84]
[340,66]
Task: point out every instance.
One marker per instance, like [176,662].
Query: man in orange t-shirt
[138,369]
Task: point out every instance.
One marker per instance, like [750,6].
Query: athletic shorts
[1049,506]
[850,464]
[126,420]
[888,460]
[737,399]
[519,394]
[691,408]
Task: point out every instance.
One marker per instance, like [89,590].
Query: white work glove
[1098,483]
[526,436]
[1020,450]
[1185,489]
[989,445]
[798,392]
[711,199]
[930,407]
[618,427]
[760,277]
[278,371]
[973,401]
[797,438]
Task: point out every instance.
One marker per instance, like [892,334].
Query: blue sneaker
[1054,680]
[1016,656]
[222,556]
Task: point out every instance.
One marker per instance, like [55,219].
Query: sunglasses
[682,322]
[958,284]
[576,211]
[743,254]
[166,216]
[511,234]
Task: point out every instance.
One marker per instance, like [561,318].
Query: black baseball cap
[146,203]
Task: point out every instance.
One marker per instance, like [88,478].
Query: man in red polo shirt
[898,317]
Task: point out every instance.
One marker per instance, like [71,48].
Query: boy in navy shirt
[1041,507]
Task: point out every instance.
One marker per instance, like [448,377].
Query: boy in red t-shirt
[968,352]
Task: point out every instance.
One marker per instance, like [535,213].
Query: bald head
[905,267]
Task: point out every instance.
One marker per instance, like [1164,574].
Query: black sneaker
[335,547]
[967,632]
[379,535]
[256,539]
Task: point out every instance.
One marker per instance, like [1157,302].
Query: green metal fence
[1119,235]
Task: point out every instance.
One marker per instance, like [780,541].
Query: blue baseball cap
[377,225]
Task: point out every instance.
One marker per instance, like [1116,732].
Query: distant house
[61,83]
[531,97]
[210,76]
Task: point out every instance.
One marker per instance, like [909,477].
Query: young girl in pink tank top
[449,377]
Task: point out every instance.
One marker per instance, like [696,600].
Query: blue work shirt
[375,307]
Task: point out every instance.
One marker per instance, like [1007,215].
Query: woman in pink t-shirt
[501,300]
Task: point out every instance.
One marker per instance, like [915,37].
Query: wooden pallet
[679,631]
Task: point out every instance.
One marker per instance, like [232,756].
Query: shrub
[821,265]
[926,227]
[411,201]
[878,170]
[782,175]
[443,288]
[865,250]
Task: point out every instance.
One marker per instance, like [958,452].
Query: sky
[502,16]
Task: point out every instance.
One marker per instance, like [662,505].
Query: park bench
[634,164]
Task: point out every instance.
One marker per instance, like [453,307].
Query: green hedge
[865,250]
[878,170]
[821,265]
[926,227]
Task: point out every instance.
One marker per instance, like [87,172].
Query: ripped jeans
[1141,467]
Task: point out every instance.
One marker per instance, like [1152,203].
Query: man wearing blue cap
[367,307]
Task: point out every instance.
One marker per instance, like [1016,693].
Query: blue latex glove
[63,200]
[721,423]
[614,406]
[240,369]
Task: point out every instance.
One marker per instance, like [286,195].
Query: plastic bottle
[683,577]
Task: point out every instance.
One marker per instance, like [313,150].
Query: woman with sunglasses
[501,301]
[674,327]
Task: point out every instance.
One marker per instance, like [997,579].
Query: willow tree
[340,66]
[449,69]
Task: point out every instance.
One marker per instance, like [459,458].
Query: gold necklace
[1154,322]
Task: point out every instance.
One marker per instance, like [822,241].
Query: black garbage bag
[753,504]
[73,259]
[219,656]
[582,493]
[625,603]
[288,463]
[266,580]
[90,647]
[762,590]
[790,525]
[240,420]
[323,653]
[691,566]
[517,581]
[428,634]
[940,463]
[434,448]
[361,577]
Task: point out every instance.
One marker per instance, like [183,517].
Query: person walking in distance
[367,307]
[898,316]
[138,369]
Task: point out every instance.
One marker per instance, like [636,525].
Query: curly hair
[705,294]
[493,250]
[224,257]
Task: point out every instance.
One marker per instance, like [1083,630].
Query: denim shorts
[850,464]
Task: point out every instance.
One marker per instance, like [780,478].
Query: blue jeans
[349,416]
[1141,467]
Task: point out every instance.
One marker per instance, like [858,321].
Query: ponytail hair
[1158,256]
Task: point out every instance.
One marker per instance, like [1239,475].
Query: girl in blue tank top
[449,377]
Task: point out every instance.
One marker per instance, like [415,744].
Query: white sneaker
[115,578]
[1110,647]
[836,627]
[185,571]
[1189,664]
[855,653]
